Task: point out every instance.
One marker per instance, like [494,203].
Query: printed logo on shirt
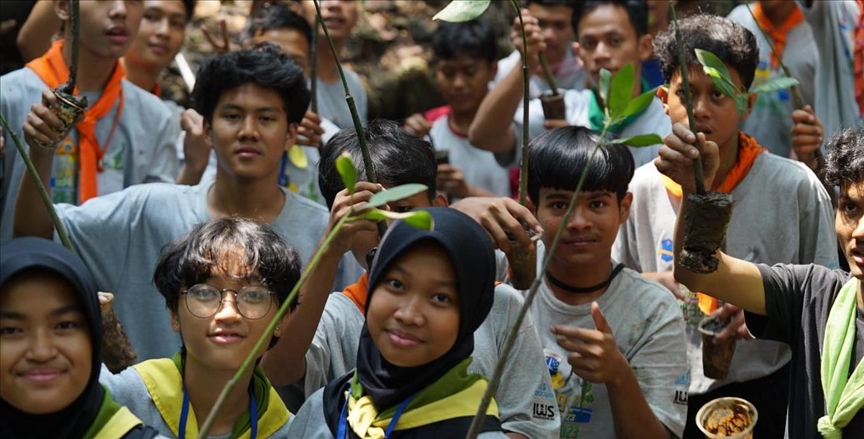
[574,396]
[683,383]
[690,307]
[543,403]
[64,175]
[666,250]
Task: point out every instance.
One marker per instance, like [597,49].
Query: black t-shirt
[798,299]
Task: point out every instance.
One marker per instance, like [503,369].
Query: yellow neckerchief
[165,385]
[366,421]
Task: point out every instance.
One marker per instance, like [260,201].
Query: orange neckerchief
[748,152]
[52,69]
[777,34]
[358,292]
[858,57]
[157,90]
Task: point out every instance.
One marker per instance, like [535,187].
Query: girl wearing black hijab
[428,292]
[50,332]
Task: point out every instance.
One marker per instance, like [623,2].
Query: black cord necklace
[583,290]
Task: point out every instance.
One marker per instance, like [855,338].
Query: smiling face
[340,16]
[849,224]
[160,36]
[46,354]
[607,40]
[586,244]
[464,82]
[250,131]
[107,27]
[223,340]
[413,315]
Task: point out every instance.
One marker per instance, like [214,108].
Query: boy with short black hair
[628,377]
[125,137]
[817,311]
[400,158]
[610,34]
[251,102]
[758,371]
[464,60]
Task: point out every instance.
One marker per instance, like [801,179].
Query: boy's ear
[62,9]
[291,136]
[280,327]
[624,208]
[646,47]
[440,200]
[175,321]
[208,131]
[576,49]
[751,101]
[663,94]
[493,69]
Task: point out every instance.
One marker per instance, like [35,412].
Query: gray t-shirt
[142,149]
[525,391]
[770,121]
[798,299]
[310,422]
[483,169]
[332,104]
[833,25]
[805,235]
[650,335]
[652,121]
[127,388]
[569,74]
[120,238]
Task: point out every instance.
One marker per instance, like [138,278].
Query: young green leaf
[639,103]
[717,66]
[639,141]
[419,219]
[396,193]
[774,85]
[462,10]
[347,171]
[741,103]
[605,83]
[621,90]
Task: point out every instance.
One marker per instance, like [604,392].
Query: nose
[42,348]
[700,107]
[162,27]
[579,221]
[228,308]
[858,233]
[410,311]
[602,55]
[118,10]
[249,128]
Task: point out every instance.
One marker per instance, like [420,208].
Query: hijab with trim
[72,422]
[473,258]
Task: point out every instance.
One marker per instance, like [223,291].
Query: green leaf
[345,168]
[420,219]
[717,71]
[639,141]
[396,193]
[462,10]
[774,85]
[605,82]
[639,103]
[621,91]
[741,103]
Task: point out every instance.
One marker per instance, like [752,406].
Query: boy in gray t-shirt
[613,341]
[251,101]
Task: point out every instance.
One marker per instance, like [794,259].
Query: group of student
[401,344]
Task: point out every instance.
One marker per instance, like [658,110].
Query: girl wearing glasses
[222,284]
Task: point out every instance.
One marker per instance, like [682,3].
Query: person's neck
[861,296]
[585,276]
[461,121]
[204,385]
[780,12]
[260,199]
[143,77]
[328,71]
[728,158]
[93,71]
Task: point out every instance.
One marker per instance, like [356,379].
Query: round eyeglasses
[252,302]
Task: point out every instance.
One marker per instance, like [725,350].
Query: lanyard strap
[343,419]
[184,414]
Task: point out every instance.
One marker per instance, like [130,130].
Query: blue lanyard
[184,414]
[343,419]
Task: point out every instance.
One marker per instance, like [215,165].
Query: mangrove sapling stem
[688,101]
[523,165]
[43,193]
[550,78]
[313,68]
[355,116]
[495,379]
[69,87]
[265,337]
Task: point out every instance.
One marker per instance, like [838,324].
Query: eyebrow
[589,195]
[443,283]
[257,109]
[57,312]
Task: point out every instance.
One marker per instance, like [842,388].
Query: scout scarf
[777,34]
[748,151]
[844,396]
[52,69]
[357,292]
[164,382]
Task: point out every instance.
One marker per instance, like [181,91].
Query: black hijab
[73,421]
[473,258]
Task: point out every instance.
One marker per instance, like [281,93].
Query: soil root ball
[705,221]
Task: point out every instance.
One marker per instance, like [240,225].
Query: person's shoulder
[147,105]
[740,14]
[21,83]
[783,171]
[506,295]
[646,175]
[301,203]
[651,294]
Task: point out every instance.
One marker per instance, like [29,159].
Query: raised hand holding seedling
[678,156]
